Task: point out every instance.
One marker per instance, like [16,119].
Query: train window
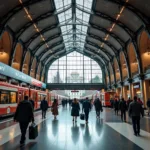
[12,97]
[7,97]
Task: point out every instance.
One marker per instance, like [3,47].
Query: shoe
[135,134]
[73,120]
[22,144]
[138,134]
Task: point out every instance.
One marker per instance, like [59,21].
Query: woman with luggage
[75,110]
[55,108]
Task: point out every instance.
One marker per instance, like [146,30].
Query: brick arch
[38,72]
[107,76]
[5,47]
[26,63]
[133,62]
[116,69]
[112,79]
[144,48]
[32,71]
[43,75]
[124,68]
[16,63]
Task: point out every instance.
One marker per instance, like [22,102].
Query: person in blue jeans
[86,108]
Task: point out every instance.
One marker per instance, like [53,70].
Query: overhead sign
[15,74]
[74,91]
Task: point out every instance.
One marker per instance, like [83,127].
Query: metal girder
[27,43]
[102,49]
[14,11]
[93,51]
[43,43]
[115,51]
[119,40]
[113,20]
[47,49]
[58,50]
[39,18]
[145,19]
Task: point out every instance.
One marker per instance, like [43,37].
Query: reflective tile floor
[107,133]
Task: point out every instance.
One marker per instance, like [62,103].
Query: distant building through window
[75,68]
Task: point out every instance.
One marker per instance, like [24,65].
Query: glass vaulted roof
[74,18]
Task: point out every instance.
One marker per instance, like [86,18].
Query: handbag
[33,131]
[82,116]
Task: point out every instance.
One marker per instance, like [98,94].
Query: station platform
[107,133]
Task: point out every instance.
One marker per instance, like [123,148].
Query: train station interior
[75,49]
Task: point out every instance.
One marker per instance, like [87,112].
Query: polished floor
[107,133]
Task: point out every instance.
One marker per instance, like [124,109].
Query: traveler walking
[123,109]
[148,106]
[44,107]
[116,106]
[55,108]
[112,103]
[32,102]
[128,102]
[140,101]
[135,110]
[98,107]
[75,110]
[24,115]
[86,108]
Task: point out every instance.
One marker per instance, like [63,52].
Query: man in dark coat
[44,107]
[98,107]
[32,102]
[123,109]
[23,115]
[135,110]
[116,106]
[86,108]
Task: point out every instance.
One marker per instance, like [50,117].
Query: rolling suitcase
[82,116]
[33,131]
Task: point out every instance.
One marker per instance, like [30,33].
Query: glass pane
[73,68]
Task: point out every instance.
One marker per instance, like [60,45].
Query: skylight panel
[74,33]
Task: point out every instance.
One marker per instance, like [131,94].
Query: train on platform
[11,95]
[103,96]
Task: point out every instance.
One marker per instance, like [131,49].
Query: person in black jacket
[98,107]
[23,115]
[32,102]
[116,106]
[86,108]
[123,109]
[135,110]
[44,107]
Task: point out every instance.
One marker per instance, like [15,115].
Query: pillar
[146,91]
[142,91]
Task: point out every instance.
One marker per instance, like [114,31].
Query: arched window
[75,68]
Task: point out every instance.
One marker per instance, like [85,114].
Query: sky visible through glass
[75,68]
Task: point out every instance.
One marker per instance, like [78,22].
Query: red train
[11,95]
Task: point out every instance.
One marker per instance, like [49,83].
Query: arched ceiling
[52,28]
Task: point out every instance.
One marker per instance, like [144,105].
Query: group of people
[65,102]
[135,110]
[86,108]
[24,112]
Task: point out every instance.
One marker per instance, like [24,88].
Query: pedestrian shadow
[87,137]
[75,133]
[99,126]
[55,127]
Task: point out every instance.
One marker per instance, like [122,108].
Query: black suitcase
[33,131]
[82,116]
